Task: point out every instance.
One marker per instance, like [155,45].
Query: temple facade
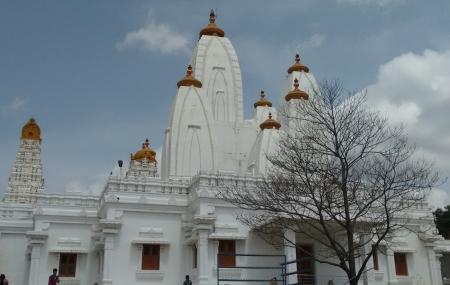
[155,222]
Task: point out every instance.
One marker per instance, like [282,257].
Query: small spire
[296,93]
[212,16]
[212,29]
[270,124]
[189,79]
[262,100]
[298,66]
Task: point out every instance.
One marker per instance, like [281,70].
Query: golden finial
[270,124]
[262,101]
[145,153]
[298,66]
[296,93]
[189,79]
[31,131]
[212,29]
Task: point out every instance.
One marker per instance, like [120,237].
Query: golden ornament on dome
[262,101]
[270,124]
[145,153]
[189,79]
[212,29]
[298,66]
[31,131]
[296,93]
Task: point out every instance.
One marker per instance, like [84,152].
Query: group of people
[52,279]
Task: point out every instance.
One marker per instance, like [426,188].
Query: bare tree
[342,176]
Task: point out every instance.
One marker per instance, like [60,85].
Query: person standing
[3,280]
[187,281]
[53,279]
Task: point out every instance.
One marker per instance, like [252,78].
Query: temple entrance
[305,264]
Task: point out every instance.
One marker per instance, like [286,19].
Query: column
[107,259]
[34,264]
[291,255]
[433,265]
[439,269]
[110,229]
[391,274]
[36,240]
[369,272]
[202,256]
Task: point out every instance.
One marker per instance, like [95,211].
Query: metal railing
[281,267]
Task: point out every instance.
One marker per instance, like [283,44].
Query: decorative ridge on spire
[270,124]
[189,79]
[145,153]
[31,131]
[262,101]
[212,29]
[296,93]
[298,66]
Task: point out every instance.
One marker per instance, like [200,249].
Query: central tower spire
[26,178]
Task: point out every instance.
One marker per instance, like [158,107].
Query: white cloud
[16,105]
[402,113]
[414,89]
[316,40]
[380,3]
[438,198]
[95,187]
[155,38]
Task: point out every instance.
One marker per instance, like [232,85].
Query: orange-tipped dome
[270,124]
[189,79]
[145,153]
[31,131]
[297,66]
[212,29]
[296,93]
[262,101]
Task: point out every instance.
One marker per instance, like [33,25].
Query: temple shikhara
[157,221]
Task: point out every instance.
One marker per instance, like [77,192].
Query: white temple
[155,222]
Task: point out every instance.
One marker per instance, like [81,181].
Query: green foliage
[442,220]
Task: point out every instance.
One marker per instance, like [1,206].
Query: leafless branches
[340,176]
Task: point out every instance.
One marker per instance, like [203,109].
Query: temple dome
[189,79]
[298,66]
[31,131]
[262,101]
[145,153]
[296,93]
[212,29]
[270,124]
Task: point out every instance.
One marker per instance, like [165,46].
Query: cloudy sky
[99,76]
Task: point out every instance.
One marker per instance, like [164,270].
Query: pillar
[36,240]
[202,256]
[34,264]
[107,259]
[391,274]
[439,269]
[368,275]
[291,255]
[433,265]
[110,229]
